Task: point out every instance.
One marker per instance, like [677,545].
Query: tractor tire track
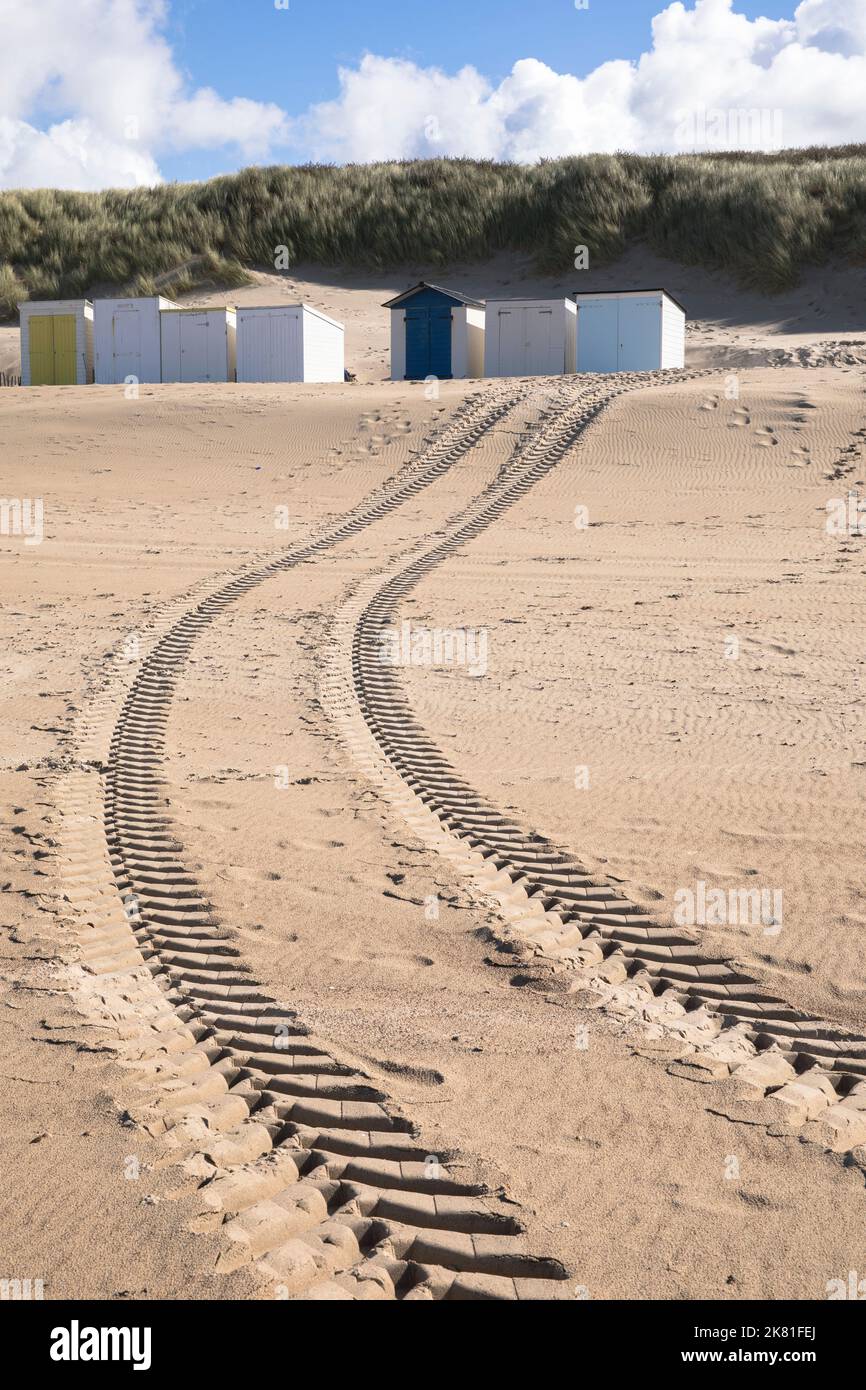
[310,1174]
[555,915]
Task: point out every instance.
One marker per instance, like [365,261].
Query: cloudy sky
[97,93]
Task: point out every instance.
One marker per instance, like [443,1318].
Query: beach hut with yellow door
[56,342]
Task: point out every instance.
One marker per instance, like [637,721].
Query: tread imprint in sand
[311,1174]
[556,914]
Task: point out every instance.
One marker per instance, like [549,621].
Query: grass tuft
[761,218]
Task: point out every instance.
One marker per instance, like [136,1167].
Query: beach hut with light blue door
[435,333]
[629,331]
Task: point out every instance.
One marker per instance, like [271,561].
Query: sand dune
[820,322]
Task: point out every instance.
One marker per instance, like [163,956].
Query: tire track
[556,915]
[304,1165]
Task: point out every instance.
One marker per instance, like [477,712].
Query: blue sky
[119,93]
[292,56]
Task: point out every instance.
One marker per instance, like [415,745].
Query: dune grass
[762,218]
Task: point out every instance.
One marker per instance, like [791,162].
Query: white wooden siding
[198,345]
[529,337]
[128,339]
[289,342]
[324,354]
[398,344]
[673,334]
[467,342]
[636,330]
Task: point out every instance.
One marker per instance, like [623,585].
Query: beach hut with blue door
[435,333]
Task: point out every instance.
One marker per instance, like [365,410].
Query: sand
[634,1173]
[821,320]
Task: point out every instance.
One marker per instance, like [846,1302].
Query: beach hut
[56,342]
[289,342]
[435,333]
[198,344]
[629,331]
[529,337]
[128,338]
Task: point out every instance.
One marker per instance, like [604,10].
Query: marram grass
[761,218]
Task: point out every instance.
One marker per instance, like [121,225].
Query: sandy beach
[223,824]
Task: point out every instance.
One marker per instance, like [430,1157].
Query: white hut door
[526,342]
[539,343]
[284,348]
[126,343]
[509,343]
[639,335]
[597,335]
[194,364]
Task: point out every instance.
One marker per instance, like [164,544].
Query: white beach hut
[198,344]
[56,342]
[629,331]
[128,338]
[529,337]
[289,342]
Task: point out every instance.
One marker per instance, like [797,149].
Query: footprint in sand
[799,456]
[426,1076]
[740,417]
[406,962]
[765,436]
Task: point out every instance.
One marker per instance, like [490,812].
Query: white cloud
[90,97]
[837,26]
[71,154]
[712,79]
